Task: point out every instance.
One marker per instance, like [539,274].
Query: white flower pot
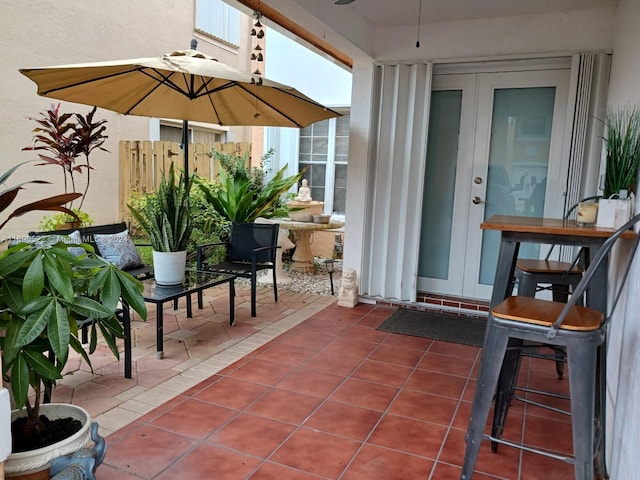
[29,463]
[169,267]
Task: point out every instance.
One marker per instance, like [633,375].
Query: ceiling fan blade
[344,2]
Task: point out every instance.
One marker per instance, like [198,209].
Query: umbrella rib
[91,80]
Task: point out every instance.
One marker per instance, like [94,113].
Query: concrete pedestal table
[302,231]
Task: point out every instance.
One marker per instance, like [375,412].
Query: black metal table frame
[596,298]
[174,292]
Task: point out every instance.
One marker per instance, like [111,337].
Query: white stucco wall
[624,352]
[39,34]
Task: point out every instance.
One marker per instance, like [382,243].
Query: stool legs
[493,352]
[582,383]
[506,388]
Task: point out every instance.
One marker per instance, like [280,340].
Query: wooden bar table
[516,230]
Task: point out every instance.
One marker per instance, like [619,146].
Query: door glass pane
[518,164]
[439,184]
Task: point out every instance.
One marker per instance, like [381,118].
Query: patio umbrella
[186,85]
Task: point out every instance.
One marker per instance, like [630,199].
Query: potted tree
[166,218]
[241,194]
[45,291]
[622,155]
[65,138]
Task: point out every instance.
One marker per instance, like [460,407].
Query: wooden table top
[552,226]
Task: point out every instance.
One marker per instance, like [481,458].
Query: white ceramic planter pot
[28,464]
[169,267]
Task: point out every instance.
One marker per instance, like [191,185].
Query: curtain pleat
[396,181]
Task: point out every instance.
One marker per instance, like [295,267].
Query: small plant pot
[169,267]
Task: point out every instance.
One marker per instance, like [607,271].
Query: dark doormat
[465,329]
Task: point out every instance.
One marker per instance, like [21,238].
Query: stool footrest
[526,448]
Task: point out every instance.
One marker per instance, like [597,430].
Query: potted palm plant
[45,291]
[241,194]
[622,150]
[165,217]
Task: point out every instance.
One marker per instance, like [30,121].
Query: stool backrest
[600,256]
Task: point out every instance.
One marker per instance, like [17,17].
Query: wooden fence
[142,164]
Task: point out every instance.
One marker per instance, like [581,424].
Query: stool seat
[547,266]
[544,312]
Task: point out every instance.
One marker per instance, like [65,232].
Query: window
[324,148]
[173,133]
[216,18]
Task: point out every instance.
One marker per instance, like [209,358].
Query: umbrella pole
[185,147]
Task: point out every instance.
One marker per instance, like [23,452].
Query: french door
[494,147]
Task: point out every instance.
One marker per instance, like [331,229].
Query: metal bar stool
[582,331]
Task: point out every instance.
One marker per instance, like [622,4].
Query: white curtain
[395,182]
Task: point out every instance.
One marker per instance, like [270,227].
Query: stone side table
[302,231]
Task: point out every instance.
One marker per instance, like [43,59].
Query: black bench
[87,233]
[141,272]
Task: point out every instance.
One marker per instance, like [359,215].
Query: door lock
[477,200]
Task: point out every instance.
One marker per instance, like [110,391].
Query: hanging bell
[257,48]
[260,34]
[253,32]
[257,72]
[260,57]
[253,56]
[257,24]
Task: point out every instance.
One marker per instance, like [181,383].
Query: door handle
[477,200]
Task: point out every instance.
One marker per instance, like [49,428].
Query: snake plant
[166,216]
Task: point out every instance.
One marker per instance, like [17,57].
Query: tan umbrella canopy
[185,84]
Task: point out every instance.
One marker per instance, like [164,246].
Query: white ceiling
[346,26]
[393,13]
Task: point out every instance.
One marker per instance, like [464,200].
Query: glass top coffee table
[194,282]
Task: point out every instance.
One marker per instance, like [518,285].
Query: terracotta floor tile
[316,452]
[537,466]
[272,471]
[354,347]
[436,362]
[262,372]
[424,406]
[306,339]
[408,435]
[211,462]
[382,373]
[397,355]
[364,333]
[193,418]
[376,463]
[232,393]
[251,434]
[344,420]
[408,341]
[310,382]
[364,394]
[437,383]
[331,362]
[147,451]
[287,354]
[455,349]
[290,407]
